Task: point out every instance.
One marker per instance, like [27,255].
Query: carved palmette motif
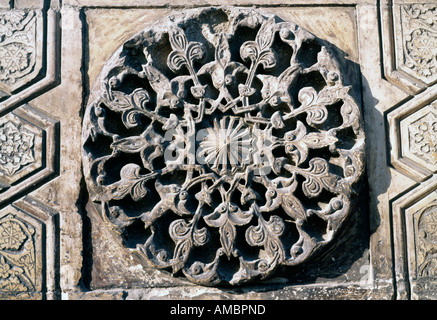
[227,140]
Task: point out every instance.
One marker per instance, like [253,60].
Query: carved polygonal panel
[425,233]
[419,137]
[21,48]
[228,136]
[413,136]
[418,40]
[415,213]
[27,245]
[28,150]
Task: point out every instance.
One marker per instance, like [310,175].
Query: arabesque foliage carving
[222,144]
[419,22]
[426,242]
[423,137]
[17,44]
[17,256]
[16,148]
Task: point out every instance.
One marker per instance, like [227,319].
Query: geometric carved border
[28,152]
[28,251]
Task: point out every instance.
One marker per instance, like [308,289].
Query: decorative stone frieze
[228,136]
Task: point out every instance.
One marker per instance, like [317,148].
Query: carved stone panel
[21,48]
[417,210]
[27,244]
[221,144]
[419,40]
[425,223]
[28,145]
[419,137]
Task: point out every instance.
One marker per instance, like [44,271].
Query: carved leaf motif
[195,51]
[294,144]
[200,236]
[255,235]
[316,113]
[180,232]
[318,178]
[176,60]
[157,257]
[265,35]
[293,207]
[267,234]
[119,101]
[139,98]
[227,237]
[184,52]
[298,141]
[131,106]
[178,40]
[268,59]
[249,50]
[222,53]
[319,140]
[131,118]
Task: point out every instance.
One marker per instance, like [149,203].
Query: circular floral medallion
[222,144]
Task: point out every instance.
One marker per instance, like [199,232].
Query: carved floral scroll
[226,138]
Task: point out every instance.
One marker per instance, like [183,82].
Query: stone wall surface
[208,150]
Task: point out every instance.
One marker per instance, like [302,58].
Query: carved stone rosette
[221,144]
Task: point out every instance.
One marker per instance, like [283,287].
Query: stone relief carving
[17,256]
[222,144]
[17,45]
[16,149]
[419,23]
[28,146]
[413,136]
[426,242]
[423,138]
